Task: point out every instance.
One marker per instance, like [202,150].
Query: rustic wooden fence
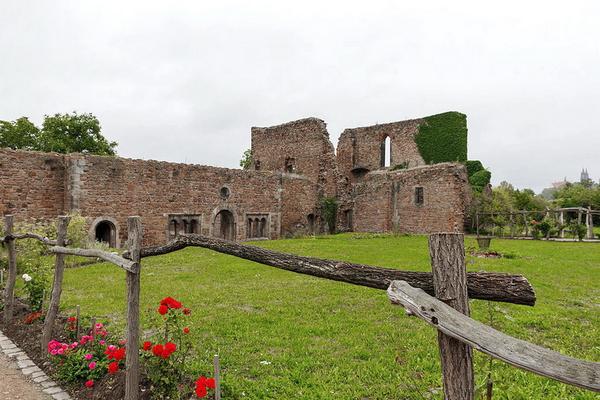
[448,311]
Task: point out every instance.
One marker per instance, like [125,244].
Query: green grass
[330,340]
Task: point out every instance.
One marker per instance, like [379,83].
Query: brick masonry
[294,166]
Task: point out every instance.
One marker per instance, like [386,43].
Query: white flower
[265,362]
[27,278]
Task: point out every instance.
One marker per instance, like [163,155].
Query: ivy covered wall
[443,138]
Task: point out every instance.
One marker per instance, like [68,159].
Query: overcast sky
[185,80]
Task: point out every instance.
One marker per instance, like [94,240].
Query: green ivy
[473,166]
[329,207]
[443,138]
[480,179]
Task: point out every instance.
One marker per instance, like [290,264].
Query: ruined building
[404,176]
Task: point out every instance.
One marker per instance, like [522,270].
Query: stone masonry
[294,167]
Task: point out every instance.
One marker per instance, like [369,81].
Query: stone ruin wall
[294,167]
[386,201]
[32,184]
[360,148]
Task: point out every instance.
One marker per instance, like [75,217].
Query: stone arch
[223,224]
[106,230]
[310,223]
[263,227]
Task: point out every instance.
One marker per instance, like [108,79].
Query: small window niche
[419,196]
[257,226]
[179,224]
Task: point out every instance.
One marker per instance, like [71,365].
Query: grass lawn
[329,340]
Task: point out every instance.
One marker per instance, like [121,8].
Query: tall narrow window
[386,152]
[419,196]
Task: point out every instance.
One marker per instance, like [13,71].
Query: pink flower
[122,342]
[102,342]
[99,326]
[89,356]
[92,365]
[112,347]
[60,351]
[53,352]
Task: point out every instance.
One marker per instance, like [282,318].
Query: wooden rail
[112,258]
[481,285]
[517,352]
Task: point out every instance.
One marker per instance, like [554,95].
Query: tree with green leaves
[61,133]
[246,160]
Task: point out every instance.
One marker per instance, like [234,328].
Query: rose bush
[165,356]
[88,359]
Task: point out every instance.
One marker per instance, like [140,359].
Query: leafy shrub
[165,356]
[473,166]
[480,179]
[578,230]
[329,208]
[87,360]
[35,286]
[443,137]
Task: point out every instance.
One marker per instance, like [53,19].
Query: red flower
[187,311]
[113,367]
[170,302]
[170,347]
[157,350]
[210,382]
[89,383]
[73,319]
[118,354]
[186,330]
[147,346]
[201,391]
[162,310]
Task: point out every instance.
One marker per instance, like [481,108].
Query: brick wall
[361,147]
[385,201]
[31,184]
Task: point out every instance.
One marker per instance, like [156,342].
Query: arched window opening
[256,232]
[386,152]
[106,233]
[263,227]
[184,227]
[310,219]
[173,228]
[224,225]
[194,226]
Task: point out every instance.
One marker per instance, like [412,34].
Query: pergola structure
[559,214]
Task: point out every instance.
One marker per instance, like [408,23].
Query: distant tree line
[60,133]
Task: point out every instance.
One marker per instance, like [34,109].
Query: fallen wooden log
[481,285]
[517,352]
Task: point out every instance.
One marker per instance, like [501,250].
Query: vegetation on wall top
[443,138]
[60,133]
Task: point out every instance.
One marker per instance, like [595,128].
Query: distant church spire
[584,175]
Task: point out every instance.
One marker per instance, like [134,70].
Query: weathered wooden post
[447,251]
[9,289]
[77,323]
[512,225]
[59,268]
[132,360]
[526,223]
[217,375]
[561,221]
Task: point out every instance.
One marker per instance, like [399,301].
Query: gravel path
[14,385]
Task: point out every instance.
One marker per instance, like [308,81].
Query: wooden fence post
[132,360]
[217,377]
[447,251]
[9,289]
[59,268]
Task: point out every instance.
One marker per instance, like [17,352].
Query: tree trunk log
[481,285]
[132,359]
[9,289]
[59,268]
[447,252]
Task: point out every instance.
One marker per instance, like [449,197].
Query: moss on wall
[443,138]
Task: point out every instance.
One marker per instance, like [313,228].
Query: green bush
[480,179]
[329,208]
[443,138]
[473,166]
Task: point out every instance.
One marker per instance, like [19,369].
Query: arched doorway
[106,232]
[224,225]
